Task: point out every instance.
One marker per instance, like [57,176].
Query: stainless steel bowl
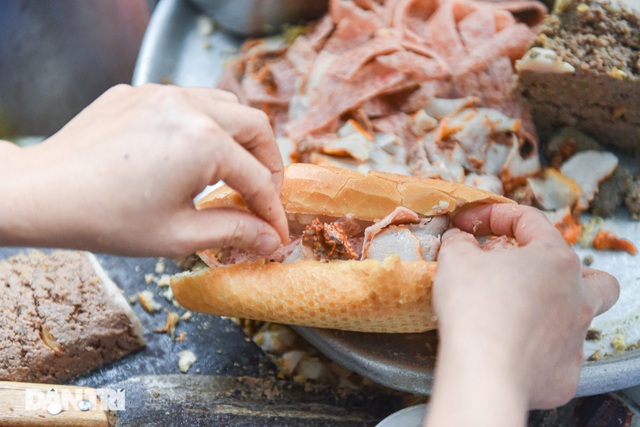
[255,18]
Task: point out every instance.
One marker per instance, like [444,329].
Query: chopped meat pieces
[328,241]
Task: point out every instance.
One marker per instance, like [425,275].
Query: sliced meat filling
[401,233]
[328,241]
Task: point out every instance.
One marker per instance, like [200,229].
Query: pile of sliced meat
[416,87]
[420,87]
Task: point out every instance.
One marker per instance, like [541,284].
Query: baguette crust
[366,296]
[311,190]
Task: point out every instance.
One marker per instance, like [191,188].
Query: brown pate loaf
[595,84]
[61,317]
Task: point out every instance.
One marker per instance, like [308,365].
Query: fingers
[602,289]
[250,127]
[522,222]
[223,95]
[220,228]
[252,179]
[252,130]
[456,236]
[455,240]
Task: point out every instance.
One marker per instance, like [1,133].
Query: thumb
[456,238]
[221,228]
[602,289]
[456,243]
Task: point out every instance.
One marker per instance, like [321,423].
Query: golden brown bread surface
[334,192]
[368,296]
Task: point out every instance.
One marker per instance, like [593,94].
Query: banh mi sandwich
[361,256]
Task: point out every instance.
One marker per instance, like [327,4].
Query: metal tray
[178,48]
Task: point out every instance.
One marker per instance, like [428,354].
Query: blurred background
[56,57]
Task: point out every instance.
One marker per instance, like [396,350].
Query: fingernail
[267,243]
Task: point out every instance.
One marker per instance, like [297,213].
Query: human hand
[121,176]
[512,321]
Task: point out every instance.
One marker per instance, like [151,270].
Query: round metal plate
[177,50]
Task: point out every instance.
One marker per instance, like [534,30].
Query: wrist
[30,194]
[15,211]
[483,377]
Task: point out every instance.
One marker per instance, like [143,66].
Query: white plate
[412,416]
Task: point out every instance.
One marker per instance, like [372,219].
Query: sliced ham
[321,32]
[347,65]
[378,106]
[340,97]
[441,30]
[301,54]
[353,26]
[412,15]
[511,42]
[477,27]
[403,69]
[417,66]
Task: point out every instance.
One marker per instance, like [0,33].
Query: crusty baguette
[311,190]
[368,296]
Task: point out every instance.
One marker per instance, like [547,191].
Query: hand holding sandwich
[511,321]
[121,176]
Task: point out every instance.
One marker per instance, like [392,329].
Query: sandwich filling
[403,232]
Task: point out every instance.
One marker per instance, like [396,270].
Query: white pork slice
[554,190]
[297,252]
[476,134]
[400,215]
[516,166]
[354,145]
[440,108]
[429,242]
[403,233]
[485,182]
[589,168]
[394,240]
[445,162]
